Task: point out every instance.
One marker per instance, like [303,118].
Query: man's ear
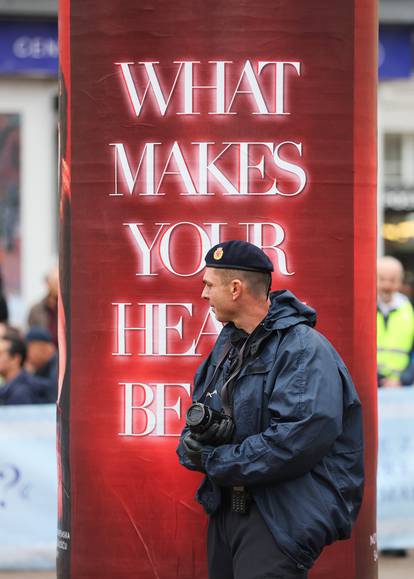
[236,289]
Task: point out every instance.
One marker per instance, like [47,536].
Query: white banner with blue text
[396,468]
[28,483]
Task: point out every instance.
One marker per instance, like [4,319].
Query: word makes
[198,171]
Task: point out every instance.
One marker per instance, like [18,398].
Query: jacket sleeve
[305,409]
[407,377]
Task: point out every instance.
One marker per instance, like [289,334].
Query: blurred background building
[28,142]
[396,131]
[28,149]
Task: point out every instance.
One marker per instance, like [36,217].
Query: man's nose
[204,293]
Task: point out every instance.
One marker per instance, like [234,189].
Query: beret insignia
[218,254]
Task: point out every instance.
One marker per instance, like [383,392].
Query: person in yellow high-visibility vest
[395,327]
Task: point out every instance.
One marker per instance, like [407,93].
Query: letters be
[153,415]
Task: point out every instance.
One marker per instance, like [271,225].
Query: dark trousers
[242,547]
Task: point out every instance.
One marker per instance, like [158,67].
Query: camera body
[200,417]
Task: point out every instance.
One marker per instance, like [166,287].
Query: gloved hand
[193,449]
[217,433]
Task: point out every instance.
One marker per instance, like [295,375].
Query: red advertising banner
[185,124]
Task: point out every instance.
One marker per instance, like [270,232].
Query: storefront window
[393,160]
[10,202]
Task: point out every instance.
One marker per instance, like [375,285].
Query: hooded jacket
[298,443]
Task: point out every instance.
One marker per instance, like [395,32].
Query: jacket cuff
[205,454]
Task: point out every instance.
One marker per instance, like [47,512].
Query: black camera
[200,417]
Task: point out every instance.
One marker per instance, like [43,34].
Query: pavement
[395,567]
[27,575]
[389,568]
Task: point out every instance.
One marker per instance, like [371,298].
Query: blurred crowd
[29,357]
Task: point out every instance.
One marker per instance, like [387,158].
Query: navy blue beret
[38,334]
[238,254]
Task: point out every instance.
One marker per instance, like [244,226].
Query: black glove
[217,433]
[193,449]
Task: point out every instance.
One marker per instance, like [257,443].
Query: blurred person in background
[45,313]
[395,336]
[19,386]
[42,358]
[6,328]
[395,327]
[407,287]
[4,310]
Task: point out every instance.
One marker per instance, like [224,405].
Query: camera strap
[226,390]
[211,383]
[251,347]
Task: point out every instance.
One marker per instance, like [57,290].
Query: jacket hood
[286,311]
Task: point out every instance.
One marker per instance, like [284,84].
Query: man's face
[39,353]
[6,360]
[218,294]
[389,282]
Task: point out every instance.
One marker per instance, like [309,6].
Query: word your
[266,235]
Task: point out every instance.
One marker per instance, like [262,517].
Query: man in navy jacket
[287,479]
[19,386]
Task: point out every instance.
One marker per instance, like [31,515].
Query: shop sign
[395,52]
[29,48]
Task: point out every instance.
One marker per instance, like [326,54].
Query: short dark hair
[258,282]
[17,346]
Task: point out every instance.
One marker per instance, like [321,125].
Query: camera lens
[196,414]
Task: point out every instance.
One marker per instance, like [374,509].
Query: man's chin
[222,319]
[386,298]
[219,318]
